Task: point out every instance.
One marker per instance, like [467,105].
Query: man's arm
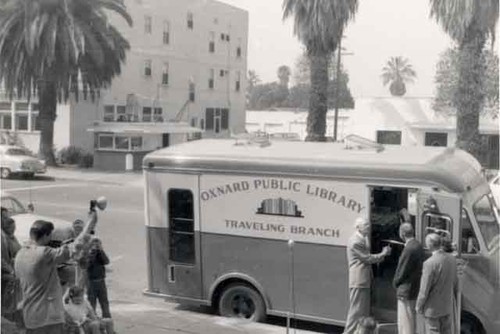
[103,258]
[361,252]
[425,287]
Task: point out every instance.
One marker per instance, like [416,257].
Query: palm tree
[284,73]
[54,48]
[398,71]
[469,23]
[319,24]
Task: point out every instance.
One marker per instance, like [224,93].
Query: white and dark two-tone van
[220,215]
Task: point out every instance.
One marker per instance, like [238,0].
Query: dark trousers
[97,291]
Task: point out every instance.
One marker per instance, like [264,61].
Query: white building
[184,77]
[395,120]
[186,66]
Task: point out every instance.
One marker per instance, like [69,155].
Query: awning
[143,128]
[484,128]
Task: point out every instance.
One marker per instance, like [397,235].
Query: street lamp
[337,86]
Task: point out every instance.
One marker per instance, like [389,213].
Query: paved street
[65,193]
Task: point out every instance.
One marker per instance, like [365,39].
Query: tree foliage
[398,72]
[319,25]
[470,24]
[446,80]
[56,48]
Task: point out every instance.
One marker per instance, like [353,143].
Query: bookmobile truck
[220,215]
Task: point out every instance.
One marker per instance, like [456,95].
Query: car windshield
[13,206]
[16,151]
[486,219]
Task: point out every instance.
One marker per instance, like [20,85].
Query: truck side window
[181,225]
[440,224]
[470,245]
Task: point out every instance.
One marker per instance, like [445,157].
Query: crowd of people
[426,289]
[37,298]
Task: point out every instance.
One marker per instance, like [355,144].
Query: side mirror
[31,207]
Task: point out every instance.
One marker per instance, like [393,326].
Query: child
[96,275]
[79,313]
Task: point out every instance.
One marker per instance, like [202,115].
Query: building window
[221,73]
[211,78]
[190,22]
[222,37]
[6,121]
[121,115]
[164,75]
[238,81]
[389,137]
[135,143]
[436,139]
[147,68]
[121,143]
[109,113]
[227,38]
[191,92]
[35,122]
[202,124]
[166,32]
[217,119]
[158,114]
[146,114]
[105,141]
[148,24]
[238,49]
[211,43]
[181,223]
[194,122]
[22,122]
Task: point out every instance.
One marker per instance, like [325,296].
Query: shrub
[86,160]
[71,155]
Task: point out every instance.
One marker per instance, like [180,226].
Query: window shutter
[225,119]
[209,119]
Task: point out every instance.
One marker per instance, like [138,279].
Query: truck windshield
[486,219]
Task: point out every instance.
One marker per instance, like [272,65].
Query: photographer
[36,267]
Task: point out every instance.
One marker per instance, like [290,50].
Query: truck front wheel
[242,301]
[470,325]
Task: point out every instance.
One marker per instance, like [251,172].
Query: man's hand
[386,250]
[419,310]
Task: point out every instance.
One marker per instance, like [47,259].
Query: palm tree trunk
[318,98]
[469,97]
[47,104]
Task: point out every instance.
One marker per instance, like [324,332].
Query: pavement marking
[42,187]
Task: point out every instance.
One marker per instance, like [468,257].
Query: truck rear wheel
[242,301]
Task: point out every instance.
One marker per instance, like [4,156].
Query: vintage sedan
[17,160]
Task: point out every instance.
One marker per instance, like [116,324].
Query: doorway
[165,140]
[388,208]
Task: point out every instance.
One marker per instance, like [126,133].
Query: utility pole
[337,88]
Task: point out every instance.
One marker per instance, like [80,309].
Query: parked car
[17,160]
[25,217]
[495,188]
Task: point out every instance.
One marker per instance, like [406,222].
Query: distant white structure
[290,121]
[394,120]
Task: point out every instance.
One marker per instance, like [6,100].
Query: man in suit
[407,279]
[438,285]
[360,260]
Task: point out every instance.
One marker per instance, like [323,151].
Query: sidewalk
[92,175]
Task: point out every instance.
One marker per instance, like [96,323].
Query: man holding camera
[36,267]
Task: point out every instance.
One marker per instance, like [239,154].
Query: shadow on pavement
[273,320]
[34,178]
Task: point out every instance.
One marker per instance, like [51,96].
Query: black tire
[241,301]
[470,325]
[30,175]
[4,173]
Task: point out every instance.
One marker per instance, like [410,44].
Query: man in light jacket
[36,267]
[438,285]
[360,273]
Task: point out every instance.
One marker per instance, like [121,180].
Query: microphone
[100,203]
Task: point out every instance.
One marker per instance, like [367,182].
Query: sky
[380,30]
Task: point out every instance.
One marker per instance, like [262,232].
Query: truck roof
[450,168]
